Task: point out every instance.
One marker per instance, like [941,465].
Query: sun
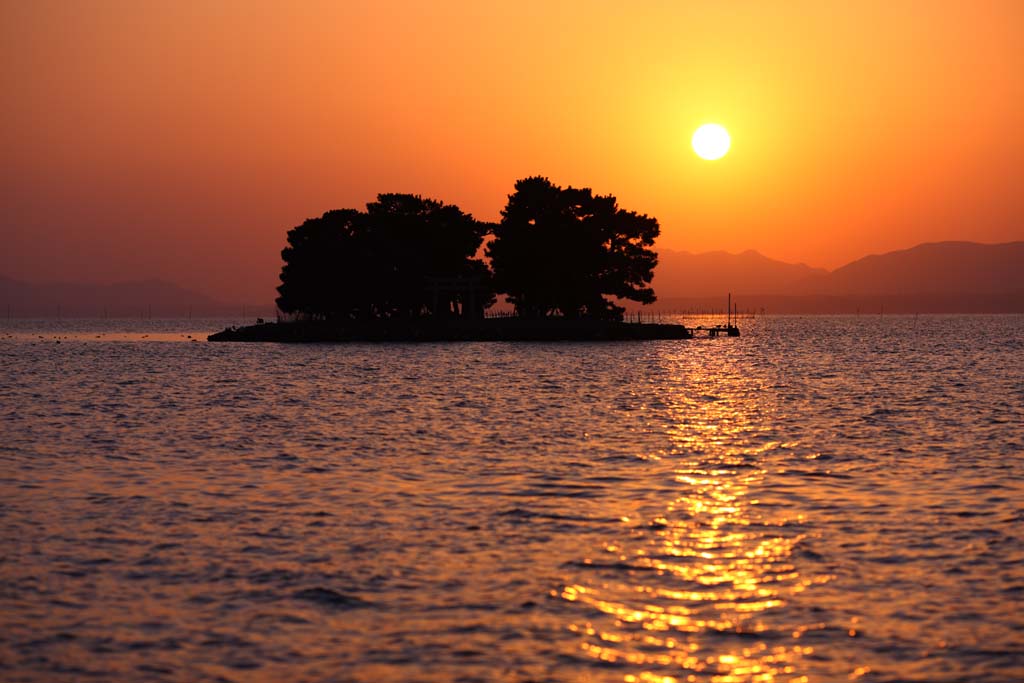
[711,141]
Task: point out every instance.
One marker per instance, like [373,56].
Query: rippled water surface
[821,499]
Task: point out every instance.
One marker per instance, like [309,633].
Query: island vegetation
[405,256]
[418,268]
[563,251]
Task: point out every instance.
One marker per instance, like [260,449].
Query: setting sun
[711,141]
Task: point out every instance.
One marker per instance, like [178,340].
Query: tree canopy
[561,250]
[556,251]
[404,256]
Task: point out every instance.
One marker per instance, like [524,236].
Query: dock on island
[728,330]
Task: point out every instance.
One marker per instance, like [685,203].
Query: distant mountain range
[142,299]
[936,268]
[953,277]
[942,277]
[680,273]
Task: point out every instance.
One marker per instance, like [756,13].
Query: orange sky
[181,139]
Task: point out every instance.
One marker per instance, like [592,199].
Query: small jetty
[728,330]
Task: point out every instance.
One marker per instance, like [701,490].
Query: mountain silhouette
[940,277]
[931,268]
[145,298]
[681,273]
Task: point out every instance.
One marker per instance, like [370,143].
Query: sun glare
[711,141]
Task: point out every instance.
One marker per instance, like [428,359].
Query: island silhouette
[409,268]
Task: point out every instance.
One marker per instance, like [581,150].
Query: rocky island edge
[448,330]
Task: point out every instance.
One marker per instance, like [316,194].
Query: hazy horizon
[219,299]
[943,277]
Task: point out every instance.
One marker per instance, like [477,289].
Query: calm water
[822,499]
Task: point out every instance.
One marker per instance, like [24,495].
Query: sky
[182,139]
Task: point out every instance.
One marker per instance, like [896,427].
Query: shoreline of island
[510,329]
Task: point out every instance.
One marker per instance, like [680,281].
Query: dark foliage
[404,256]
[561,250]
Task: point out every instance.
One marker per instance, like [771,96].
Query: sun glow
[711,141]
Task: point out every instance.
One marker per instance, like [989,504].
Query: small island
[430,330]
[415,269]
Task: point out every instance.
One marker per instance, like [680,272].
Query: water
[821,499]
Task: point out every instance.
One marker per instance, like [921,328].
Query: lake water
[821,499]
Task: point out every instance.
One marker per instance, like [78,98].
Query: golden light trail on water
[702,580]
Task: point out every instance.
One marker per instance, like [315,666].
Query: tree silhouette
[424,242]
[562,250]
[325,266]
[404,256]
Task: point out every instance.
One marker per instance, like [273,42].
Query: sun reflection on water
[693,594]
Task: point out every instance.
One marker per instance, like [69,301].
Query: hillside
[943,277]
[933,268]
[681,273]
[124,299]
